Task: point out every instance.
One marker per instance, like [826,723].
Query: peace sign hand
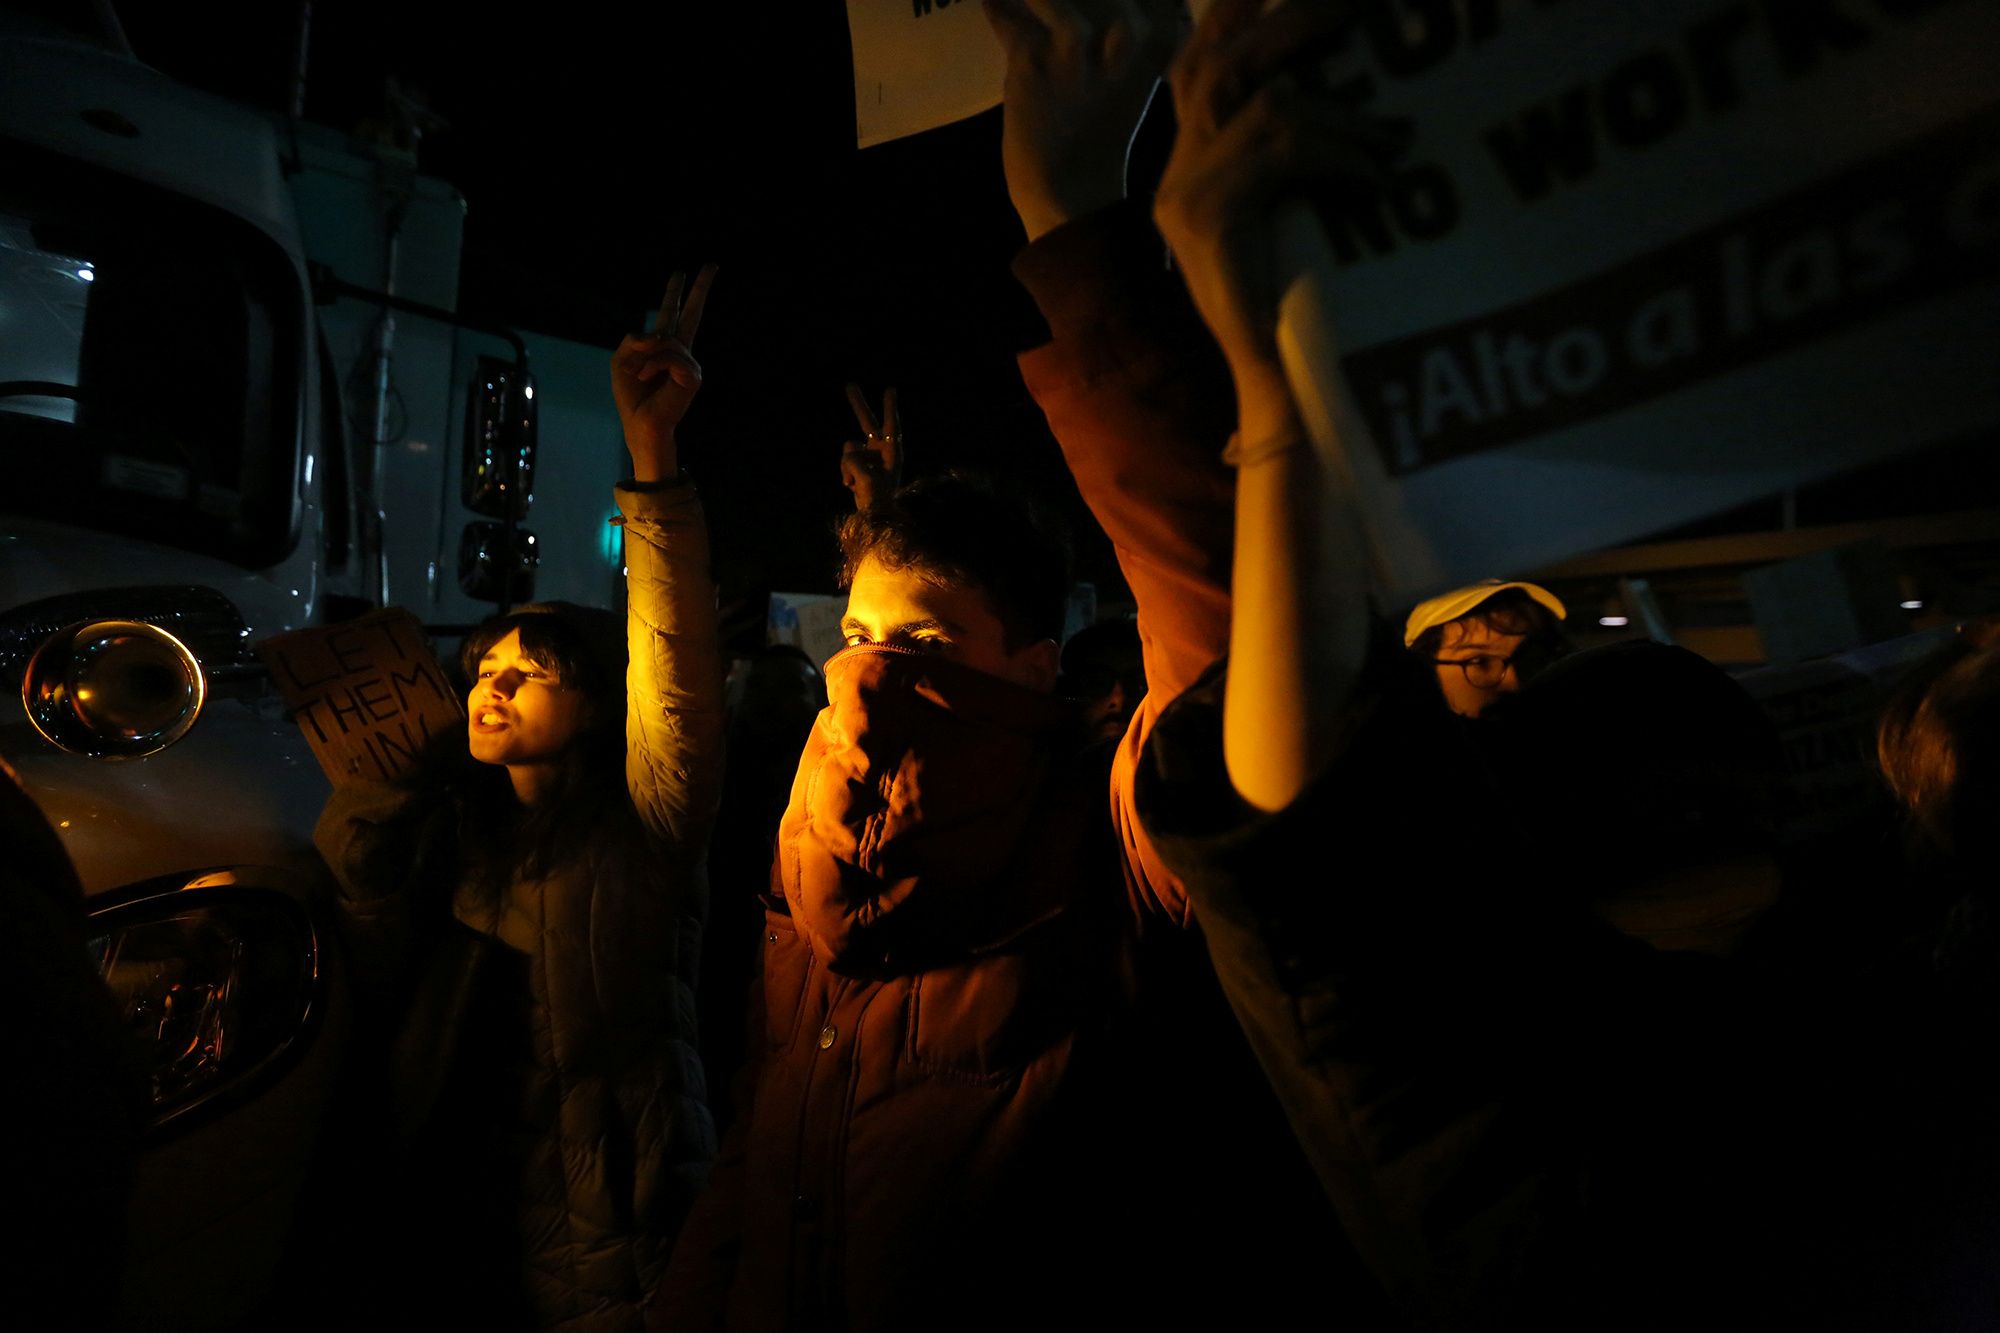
[872,467]
[654,378]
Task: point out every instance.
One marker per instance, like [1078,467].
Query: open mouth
[488,720]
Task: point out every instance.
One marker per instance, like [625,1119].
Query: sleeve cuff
[1075,272]
[653,499]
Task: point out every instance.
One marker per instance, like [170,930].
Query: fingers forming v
[677,320]
[863,414]
[891,422]
[663,356]
[690,317]
[670,306]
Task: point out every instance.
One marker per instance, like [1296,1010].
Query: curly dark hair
[960,529]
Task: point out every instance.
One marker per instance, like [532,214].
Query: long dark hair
[503,840]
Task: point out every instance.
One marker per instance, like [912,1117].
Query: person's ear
[1040,664]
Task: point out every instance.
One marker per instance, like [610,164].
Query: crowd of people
[1238,964]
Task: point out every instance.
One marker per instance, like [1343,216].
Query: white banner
[1647,262]
[919,64]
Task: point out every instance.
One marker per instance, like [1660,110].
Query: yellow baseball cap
[1459,601]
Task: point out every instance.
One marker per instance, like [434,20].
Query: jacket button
[826,1036]
[771,938]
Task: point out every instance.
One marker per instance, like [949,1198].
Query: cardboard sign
[919,64]
[1647,262]
[807,620]
[368,693]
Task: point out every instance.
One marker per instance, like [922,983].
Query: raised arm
[1251,147]
[673,687]
[1129,380]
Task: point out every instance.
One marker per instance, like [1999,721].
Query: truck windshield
[149,363]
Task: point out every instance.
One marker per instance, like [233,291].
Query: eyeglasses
[1482,671]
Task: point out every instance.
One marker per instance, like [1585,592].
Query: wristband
[680,478]
[1240,455]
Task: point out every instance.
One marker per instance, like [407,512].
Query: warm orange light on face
[903,608]
[518,713]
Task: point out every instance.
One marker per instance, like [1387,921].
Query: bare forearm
[1299,631]
[655,458]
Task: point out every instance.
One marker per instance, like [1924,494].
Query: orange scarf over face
[921,792]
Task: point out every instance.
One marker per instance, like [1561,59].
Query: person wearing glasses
[1486,639]
[1530,1076]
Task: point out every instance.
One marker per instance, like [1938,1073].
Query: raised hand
[1251,139]
[1079,76]
[1253,145]
[654,378]
[872,467]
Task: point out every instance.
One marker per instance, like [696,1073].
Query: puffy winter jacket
[577,1104]
[929,1127]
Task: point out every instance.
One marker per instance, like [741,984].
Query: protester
[526,920]
[1104,669]
[1939,746]
[1486,639]
[934,1126]
[1526,1117]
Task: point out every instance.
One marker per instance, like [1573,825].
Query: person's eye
[931,643]
[854,640]
[485,673]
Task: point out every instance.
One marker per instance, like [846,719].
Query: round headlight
[113,689]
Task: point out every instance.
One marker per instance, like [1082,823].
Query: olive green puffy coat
[601,1109]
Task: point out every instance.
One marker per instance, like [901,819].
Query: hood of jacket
[918,785]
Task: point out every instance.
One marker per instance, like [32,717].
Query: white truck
[234,401]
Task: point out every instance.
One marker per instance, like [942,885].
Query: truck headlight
[218,982]
[113,689]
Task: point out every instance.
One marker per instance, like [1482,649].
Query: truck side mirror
[485,572]
[500,438]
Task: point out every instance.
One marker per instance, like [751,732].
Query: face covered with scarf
[937,754]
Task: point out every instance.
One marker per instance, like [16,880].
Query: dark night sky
[596,151]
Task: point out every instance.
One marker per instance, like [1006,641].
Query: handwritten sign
[919,64]
[1647,262]
[368,693]
[807,620]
